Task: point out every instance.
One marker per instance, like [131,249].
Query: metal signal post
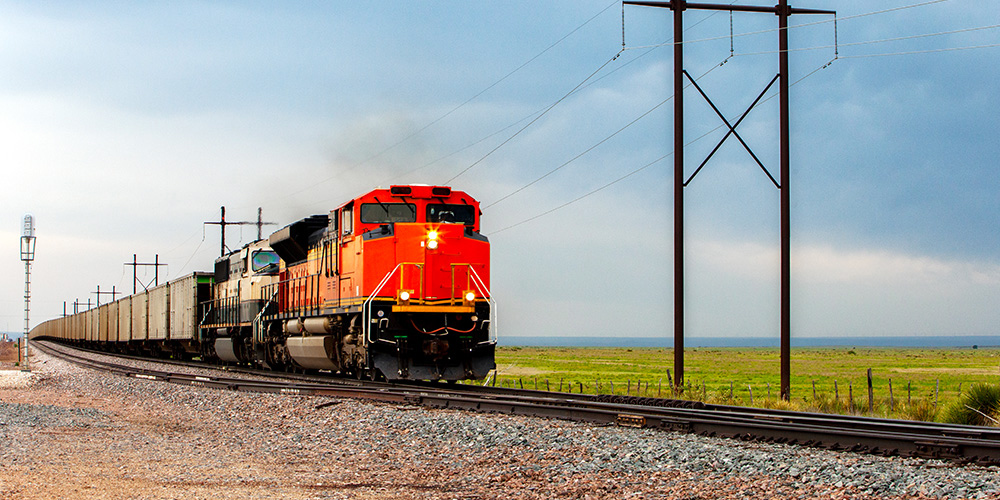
[782,10]
[27,256]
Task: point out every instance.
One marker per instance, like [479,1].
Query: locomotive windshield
[459,214]
[264,262]
[384,213]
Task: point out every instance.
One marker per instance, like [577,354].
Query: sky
[124,126]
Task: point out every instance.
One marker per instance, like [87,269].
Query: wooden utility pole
[222,223]
[782,11]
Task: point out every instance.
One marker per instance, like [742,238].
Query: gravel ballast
[70,432]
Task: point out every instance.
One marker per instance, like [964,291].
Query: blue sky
[124,126]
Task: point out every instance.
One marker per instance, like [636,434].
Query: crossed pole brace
[732,129]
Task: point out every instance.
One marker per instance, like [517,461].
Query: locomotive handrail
[477,281]
[481,285]
[257,321]
[367,310]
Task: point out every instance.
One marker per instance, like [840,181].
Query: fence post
[547,386]
[871,395]
[612,382]
[937,389]
[659,387]
[907,392]
[670,382]
[597,386]
[560,384]
[814,391]
[496,375]
[730,391]
[850,396]
[892,404]
[750,388]
[520,383]
[536,383]
[836,393]
[628,387]
[768,390]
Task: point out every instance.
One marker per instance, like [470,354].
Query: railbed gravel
[72,432]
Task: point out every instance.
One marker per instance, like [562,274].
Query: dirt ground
[8,353]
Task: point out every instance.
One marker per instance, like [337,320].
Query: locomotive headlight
[404,296]
[432,239]
[470,297]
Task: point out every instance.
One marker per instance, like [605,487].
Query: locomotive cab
[238,300]
[396,284]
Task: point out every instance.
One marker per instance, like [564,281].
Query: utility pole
[135,277]
[77,304]
[222,223]
[99,293]
[27,256]
[782,11]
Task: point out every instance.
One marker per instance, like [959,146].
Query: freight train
[393,284]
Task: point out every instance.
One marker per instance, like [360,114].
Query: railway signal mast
[27,255]
[782,11]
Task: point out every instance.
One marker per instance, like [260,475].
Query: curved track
[958,443]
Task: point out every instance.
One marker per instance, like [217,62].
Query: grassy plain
[923,380]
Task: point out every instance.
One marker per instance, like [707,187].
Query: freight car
[392,284]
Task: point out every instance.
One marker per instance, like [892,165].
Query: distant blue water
[691,342]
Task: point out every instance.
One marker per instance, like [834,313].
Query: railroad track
[957,443]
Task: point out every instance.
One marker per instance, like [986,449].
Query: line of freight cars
[163,320]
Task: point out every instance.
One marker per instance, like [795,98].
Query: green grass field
[919,377]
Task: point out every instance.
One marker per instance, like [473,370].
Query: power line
[456,108]
[602,141]
[522,129]
[928,51]
[543,109]
[886,40]
[633,172]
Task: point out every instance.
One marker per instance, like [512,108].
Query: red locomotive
[394,284]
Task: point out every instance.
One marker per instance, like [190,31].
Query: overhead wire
[522,129]
[637,170]
[582,85]
[541,110]
[927,51]
[454,109]
[732,35]
[602,141]
[643,115]
[887,40]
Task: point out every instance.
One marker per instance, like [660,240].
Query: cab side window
[347,220]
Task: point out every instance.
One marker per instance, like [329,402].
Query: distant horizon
[916,341]
[698,342]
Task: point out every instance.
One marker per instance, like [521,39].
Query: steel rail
[957,443]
